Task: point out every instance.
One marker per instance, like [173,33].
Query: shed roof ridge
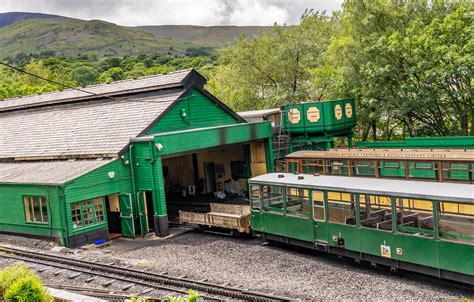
[98,85]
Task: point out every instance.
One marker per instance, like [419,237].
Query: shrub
[27,289]
[18,283]
[12,273]
[191,297]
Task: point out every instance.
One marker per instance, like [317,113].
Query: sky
[179,12]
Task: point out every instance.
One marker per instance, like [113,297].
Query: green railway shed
[121,158]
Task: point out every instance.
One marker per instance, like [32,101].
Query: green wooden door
[142,215]
[126,216]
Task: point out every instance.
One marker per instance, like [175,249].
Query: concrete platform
[65,296]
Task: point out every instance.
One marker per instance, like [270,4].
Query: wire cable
[82,90]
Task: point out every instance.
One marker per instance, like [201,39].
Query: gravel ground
[261,267]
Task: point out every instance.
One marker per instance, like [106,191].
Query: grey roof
[258,113]
[48,172]
[119,87]
[78,129]
[389,187]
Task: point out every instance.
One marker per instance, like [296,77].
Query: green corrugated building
[121,158]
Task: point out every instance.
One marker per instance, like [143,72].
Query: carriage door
[126,215]
[298,221]
[256,208]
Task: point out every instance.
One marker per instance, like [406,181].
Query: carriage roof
[388,187]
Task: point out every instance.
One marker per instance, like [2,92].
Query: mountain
[71,37]
[51,35]
[204,35]
[12,17]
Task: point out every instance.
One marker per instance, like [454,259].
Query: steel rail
[180,282]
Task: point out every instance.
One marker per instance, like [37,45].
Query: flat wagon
[418,226]
[224,216]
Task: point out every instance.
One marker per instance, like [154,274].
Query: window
[297,202]
[415,216]
[338,167]
[273,198]
[456,222]
[255,197]
[363,168]
[313,166]
[341,208]
[318,206]
[36,209]
[76,215]
[99,210]
[375,212]
[87,212]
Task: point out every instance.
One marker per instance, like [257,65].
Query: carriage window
[456,171]
[297,202]
[363,168]
[415,216]
[273,198]
[338,167]
[456,222]
[375,212]
[313,166]
[255,197]
[318,206]
[341,208]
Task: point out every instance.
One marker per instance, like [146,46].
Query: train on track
[426,227]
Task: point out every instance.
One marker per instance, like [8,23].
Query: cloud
[161,12]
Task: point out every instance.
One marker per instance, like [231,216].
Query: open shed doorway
[112,206]
[195,180]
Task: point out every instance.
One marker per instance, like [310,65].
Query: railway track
[180,285]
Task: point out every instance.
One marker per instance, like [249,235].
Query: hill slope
[204,35]
[72,37]
[13,17]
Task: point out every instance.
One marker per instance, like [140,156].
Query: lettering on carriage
[294,116]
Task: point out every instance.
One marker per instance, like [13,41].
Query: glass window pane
[44,210]
[297,202]
[415,216]
[99,210]
[272,198]
[255,197]
[76,215]
[318,206]
[87,213]
[375,212]
[456,222]
[340,210]
[27,202]
[36,209]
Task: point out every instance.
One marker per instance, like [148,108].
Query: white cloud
[161,12]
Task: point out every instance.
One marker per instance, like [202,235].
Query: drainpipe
[63,219]
[154,197]
[133,179]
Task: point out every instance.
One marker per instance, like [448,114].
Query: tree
[113,74]
[85,75]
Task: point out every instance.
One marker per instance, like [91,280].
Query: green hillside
[71,37]
[204,35]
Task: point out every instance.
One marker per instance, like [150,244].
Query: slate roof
[46,173]
[154,82]
[76,124]
[80,129]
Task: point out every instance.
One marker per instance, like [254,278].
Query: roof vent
[316,174]
[300,177]
[296,173]
[281,175]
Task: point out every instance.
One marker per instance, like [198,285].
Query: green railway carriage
[453,165]
[411,225]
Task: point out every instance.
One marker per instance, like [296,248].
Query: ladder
[284,139]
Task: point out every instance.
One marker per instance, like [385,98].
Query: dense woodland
[408,64]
